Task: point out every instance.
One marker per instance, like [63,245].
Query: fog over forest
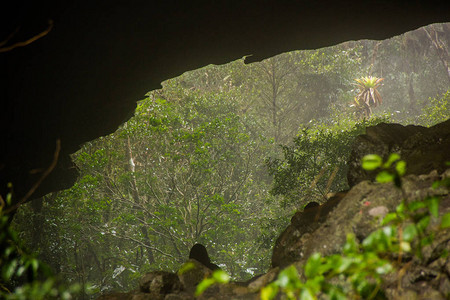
[225,155]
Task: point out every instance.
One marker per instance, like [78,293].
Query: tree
[315,164]
[181,171]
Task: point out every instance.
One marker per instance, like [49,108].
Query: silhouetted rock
[199,253]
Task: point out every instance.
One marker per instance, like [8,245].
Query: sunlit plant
[368,96]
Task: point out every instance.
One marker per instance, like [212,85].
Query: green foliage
[445,223]
[390,171]
[23,276]
[183,170]
[316,163]
[218,276]
[412,70]
[411,217]
[368,95]
[359,270]
[437,110]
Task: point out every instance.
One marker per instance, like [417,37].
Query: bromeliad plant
[368,95]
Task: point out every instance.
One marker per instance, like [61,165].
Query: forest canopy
[224,156]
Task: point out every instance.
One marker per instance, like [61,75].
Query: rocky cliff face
[324,228]
[423,149]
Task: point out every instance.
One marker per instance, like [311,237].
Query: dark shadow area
[82,79]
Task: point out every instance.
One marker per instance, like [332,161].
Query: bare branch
[27,42]
[39,182]
[147,246]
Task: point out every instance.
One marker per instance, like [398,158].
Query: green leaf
[389,218]
[344,264]
[8,199]
[269,292]
[423,223]
[221,276]
[9,269]
[371,161]
[445,221]
[401,208]
[35,265]
[312,266]
[287,276]
[307,294]
[427,240]
[409,232]
[415,205]
[385,176]
[372,240]
[314,284]
[203,285]
[400,167]
[392,158]
[186,267]
[350,246]
[336,294]
[389,231]
[433,206]
[21,270]
[384,269]
[444,182]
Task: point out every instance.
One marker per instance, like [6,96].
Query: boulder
[359,212]
[192,273]
[263,280]
[424,149]
[353,213]
[288,246]
[159,283]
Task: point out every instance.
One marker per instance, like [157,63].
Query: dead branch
[39,182]
[26,42]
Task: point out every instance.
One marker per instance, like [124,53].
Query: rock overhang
[83,79]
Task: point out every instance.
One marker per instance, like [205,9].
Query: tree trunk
[440,49]
[136,199]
